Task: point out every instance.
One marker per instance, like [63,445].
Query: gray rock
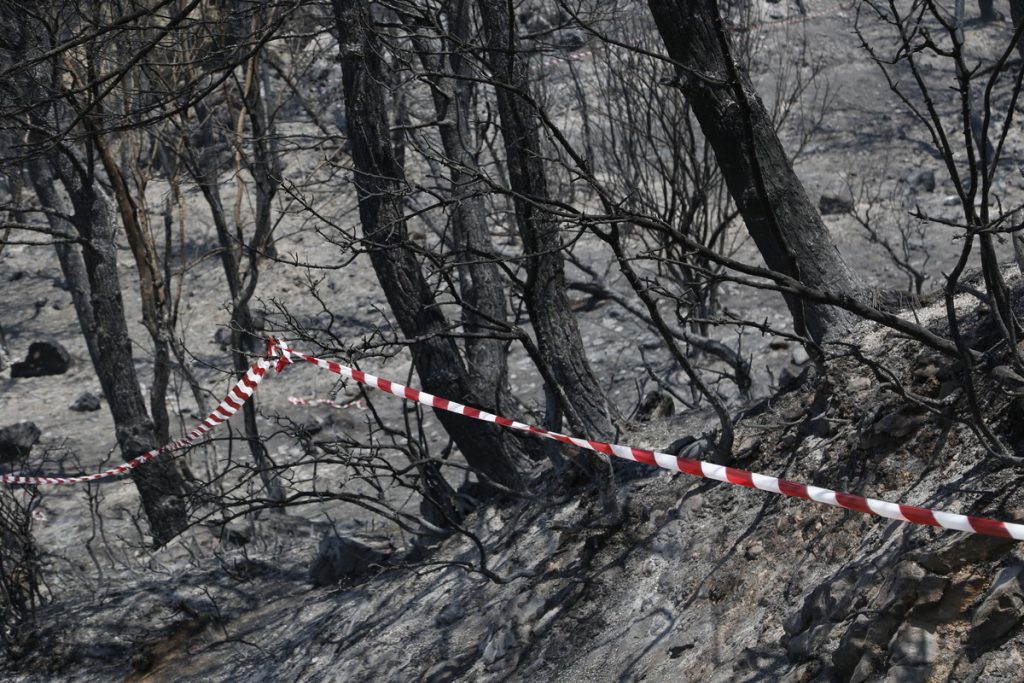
[1001,609]
[16,440]
[913,645]
[341,558]
[44,358]
[498,645]
[1009,379]
[655,404]
[921,181]
[86,402]
[907,674]
[951,200]
[453,612]
[831,205]
[800,355]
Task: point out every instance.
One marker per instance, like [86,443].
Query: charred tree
[558,337]
[380,182]
[77,207]
[481,283]
[785,225]
[91,273]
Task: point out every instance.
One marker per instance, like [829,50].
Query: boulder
[1001,609]
[17,440]
[44,358]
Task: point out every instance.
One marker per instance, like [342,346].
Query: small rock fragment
[656,404]
[913,645]
[342,558]
[86,402]
[1009,379]
[453,612]
[921,181]
[1002,609]
[831,205]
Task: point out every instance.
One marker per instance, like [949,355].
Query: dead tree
[481,282]
[77,207]
[91,273]
[779,216]
[380,182]
[558,337]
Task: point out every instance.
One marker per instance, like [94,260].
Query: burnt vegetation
[601,217]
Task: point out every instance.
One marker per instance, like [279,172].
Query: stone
[655,404]
[452,613]
[913,645]
[17,440]
[497,646]
[898,425]
[859,384]
[800,355]
[831,205]
[907,674]
[86,402]
[44,358]
[340,558]
[1001,609]
[951,200]
[921,181]
[1009,379]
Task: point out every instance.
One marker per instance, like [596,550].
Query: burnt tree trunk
[558,337]
[92,276]
[779,216]
[380,182]
[481,283]
[203,167]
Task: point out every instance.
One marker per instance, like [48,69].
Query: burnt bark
[558,335]
[784,224]
[91,272]
[481,283]
[1017,15]
[380,182]
[241,283]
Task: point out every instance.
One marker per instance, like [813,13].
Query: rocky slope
[694,581]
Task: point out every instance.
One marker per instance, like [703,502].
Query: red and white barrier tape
[238,395]
[698,468]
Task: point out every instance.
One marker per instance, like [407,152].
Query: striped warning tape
[238,395]
[698,468]
[730,475]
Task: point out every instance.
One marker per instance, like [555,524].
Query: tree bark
[481,283]
[96,294]
[380,182]
[241,284]
[558,336]
[779,216]
[1017,15]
